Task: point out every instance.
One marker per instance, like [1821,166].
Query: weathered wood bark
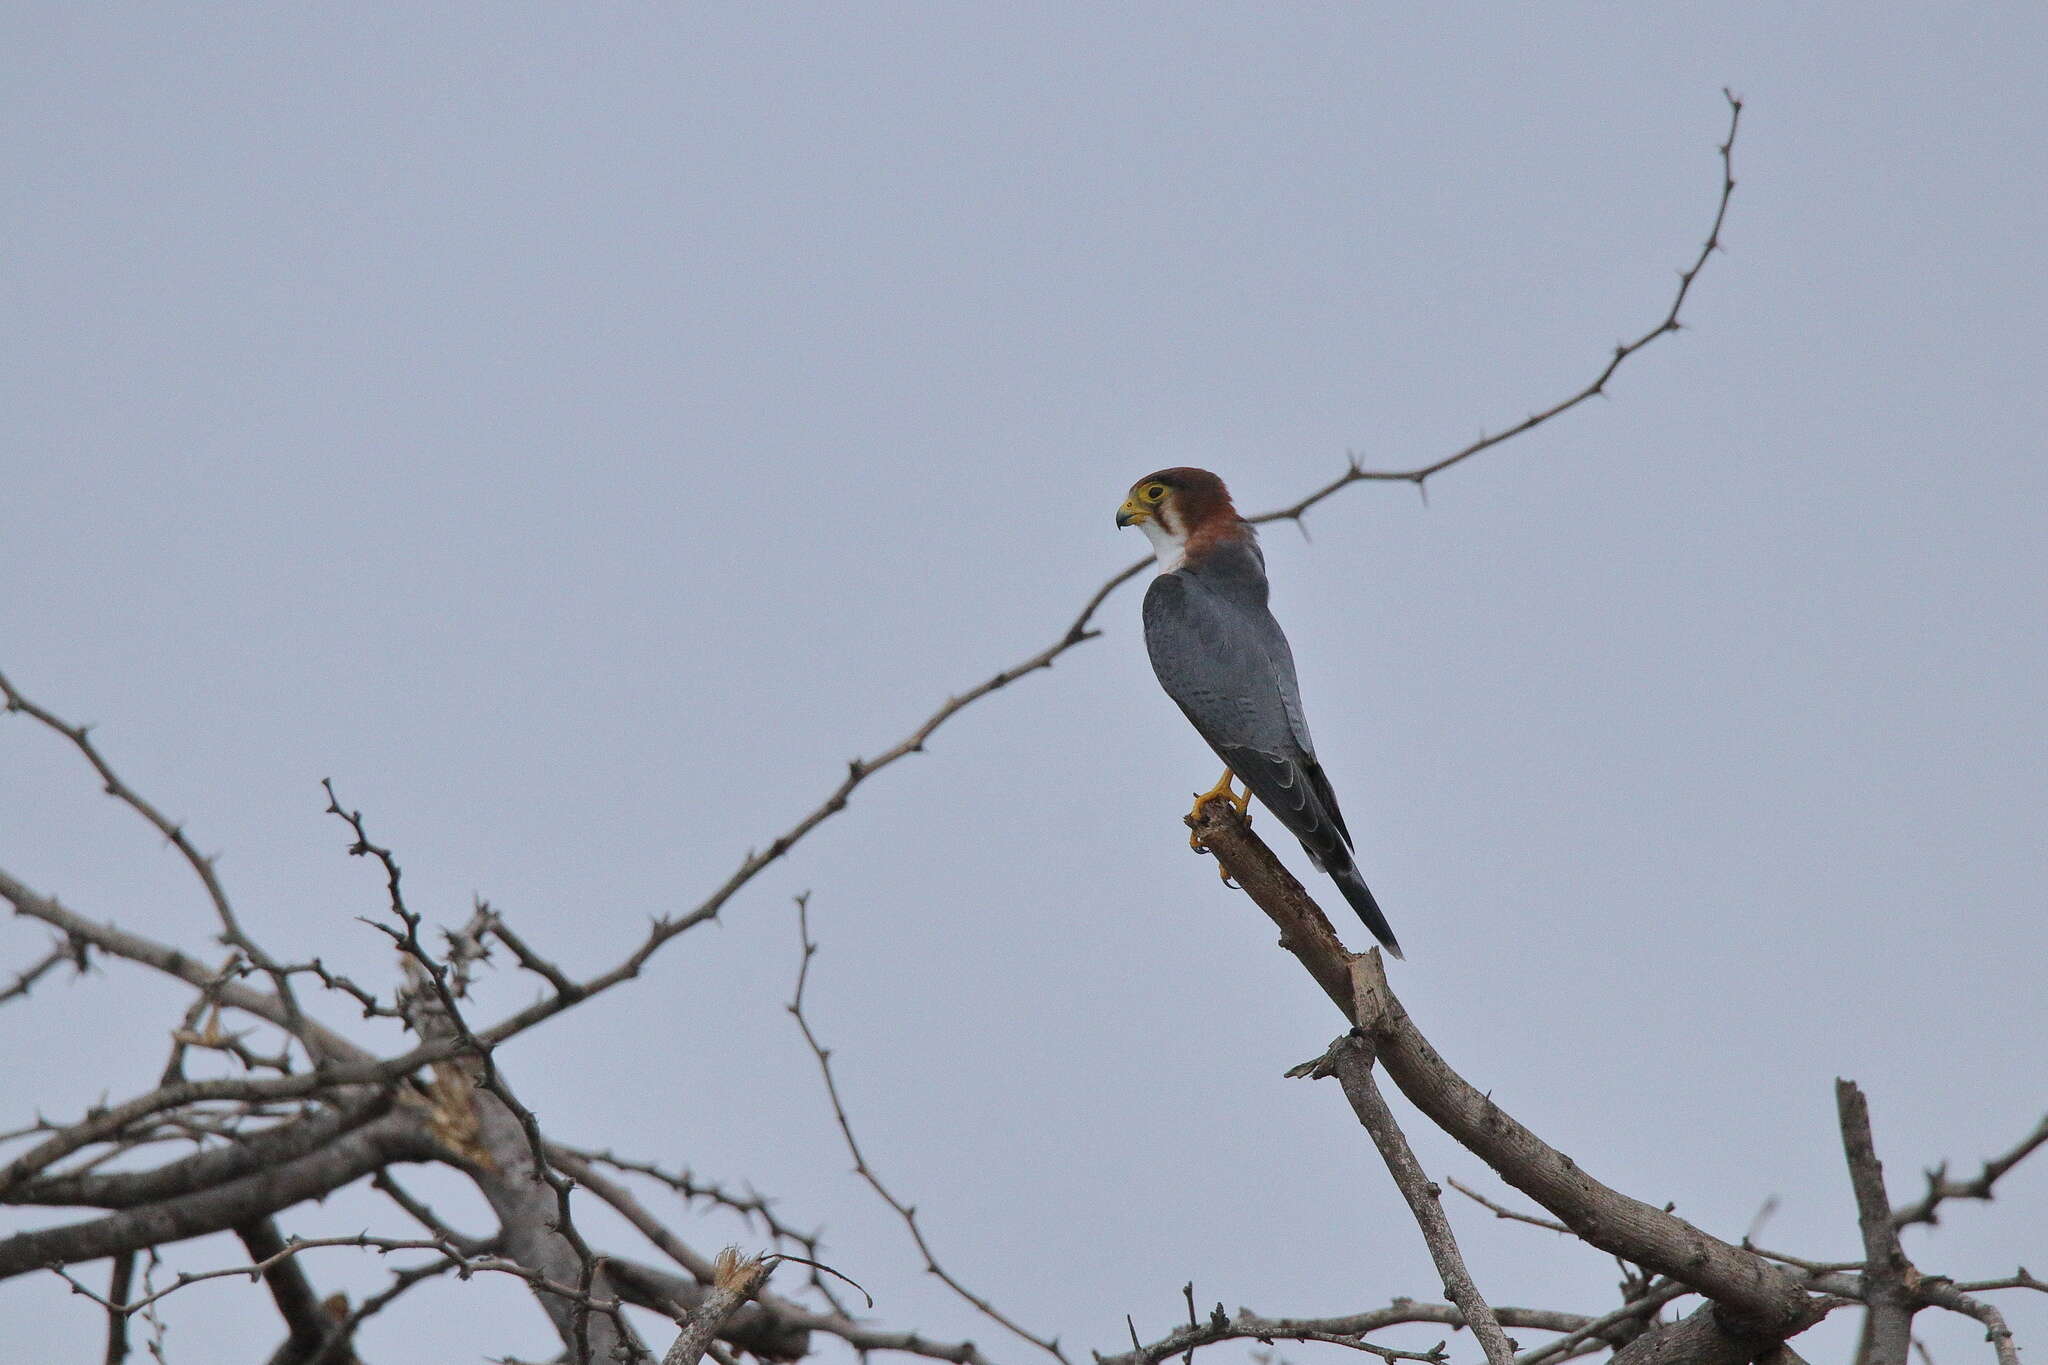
[1757,1303]
[397,1137]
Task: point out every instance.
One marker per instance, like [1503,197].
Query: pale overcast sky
[578,430]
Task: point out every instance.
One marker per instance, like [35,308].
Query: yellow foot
[1203,800]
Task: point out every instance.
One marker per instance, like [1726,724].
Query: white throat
[1168,545]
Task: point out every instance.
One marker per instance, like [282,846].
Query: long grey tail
[1360,895]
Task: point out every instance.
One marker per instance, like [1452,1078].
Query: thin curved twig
[1668,323]
[1503,1211]
[907,1212]
[173,831]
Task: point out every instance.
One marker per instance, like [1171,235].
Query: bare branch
[117,942]
[497,1136]
[1801,1262]
[208,1168]
[1888,1325]
[734,1281]
[71,950]
[338,1349]
[117,1292]
[395,1137]
[753,1207]
[307,1323]
[760,1328]
[1247,1325]
[1740,1281]
[387,1185]
[1706,1336]
[232,932]
[906,1212]
[1502,1211]
[633,1211]
[494,925]
[1941,1188]
[2022,1280]
[1666,324]
[106,1123]
[1944,1295]
[1599,1329]
[1350,1061]
[450,1259]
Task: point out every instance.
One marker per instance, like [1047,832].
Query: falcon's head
[1181,511]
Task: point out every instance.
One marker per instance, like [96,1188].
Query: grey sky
[578,430]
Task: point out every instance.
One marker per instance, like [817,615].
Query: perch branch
[1741,1282]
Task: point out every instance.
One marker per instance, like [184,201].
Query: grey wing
[1227,666]
[1270,637]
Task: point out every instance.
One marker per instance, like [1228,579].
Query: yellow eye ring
[1152,492]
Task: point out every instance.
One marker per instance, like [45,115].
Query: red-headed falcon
[1221,657]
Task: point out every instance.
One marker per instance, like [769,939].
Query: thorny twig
[1420,475]
[907,1212]
[296,1246]
[117,1292]
[1245,1325]
[69,950]
[173,832]
[1940,1188]
[448,1014]
[750,1207]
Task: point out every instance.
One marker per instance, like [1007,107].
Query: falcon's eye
[1152,492]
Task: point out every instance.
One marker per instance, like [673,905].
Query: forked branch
[1743,1284]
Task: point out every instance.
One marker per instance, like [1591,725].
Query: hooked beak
[1130,514]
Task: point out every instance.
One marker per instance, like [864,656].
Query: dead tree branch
[307,1322]
[394,1138]
[1668,323]
[1944,1295]
[133,947]
[1505,1213]
[72,951]
[1940,1188]
[1887,1274]
[1350,1061]
[1743,1285]
[906,1212]
[734,1281]
[173,832]
[1245,1325]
